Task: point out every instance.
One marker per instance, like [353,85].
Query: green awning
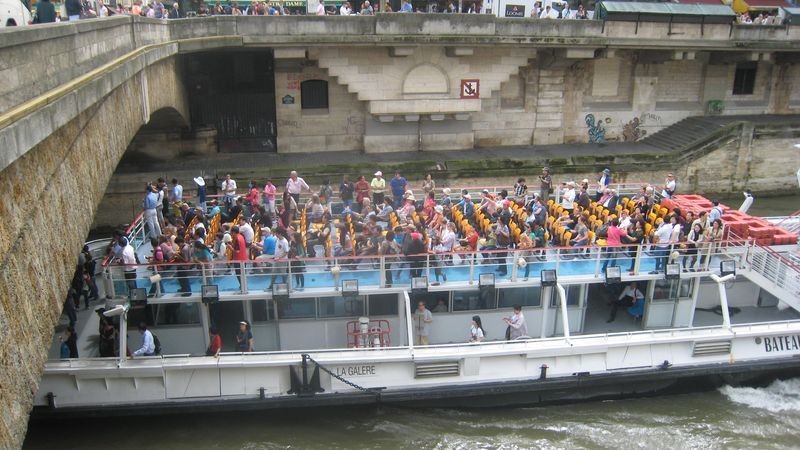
[675,9]
[792,16]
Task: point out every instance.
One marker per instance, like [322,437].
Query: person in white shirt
[321,8]
[148,343]
[662,239]
[295,186]
[247,231]
[345,9]
[476,333]
[422,324]
[669,186]
[280,265]
[229,189]
[715,213]
[629,296]
[602,184]
[549,13]
[128,257]
[568,197]
[516,324]
[378,187]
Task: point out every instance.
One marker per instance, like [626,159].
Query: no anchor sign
[470,89]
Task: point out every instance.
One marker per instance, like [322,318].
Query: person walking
[422,324]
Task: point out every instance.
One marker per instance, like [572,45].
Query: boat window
[382,305]
[527,296]
[434,301]
[665,290]
[262,310]
[474,300]
[177,314]
[573,296]
[341,306]
[297,308]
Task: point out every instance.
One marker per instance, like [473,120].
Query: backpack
[156,345]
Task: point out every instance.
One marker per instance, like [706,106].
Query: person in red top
[253,197]
[362,190]
[614,239]
[238,248]
[216,343]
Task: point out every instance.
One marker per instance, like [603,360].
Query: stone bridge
[75,95]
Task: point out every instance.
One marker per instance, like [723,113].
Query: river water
[735,418]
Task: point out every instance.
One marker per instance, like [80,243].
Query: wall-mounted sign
[287,100]
[470,89]
[515,10]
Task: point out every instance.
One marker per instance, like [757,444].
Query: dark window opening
[314,94]
[744,80]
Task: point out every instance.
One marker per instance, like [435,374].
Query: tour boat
[349,337]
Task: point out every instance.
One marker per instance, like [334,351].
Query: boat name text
[355,371]
[782,343]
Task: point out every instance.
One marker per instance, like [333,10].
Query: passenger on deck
[520,191]
[295,186]
[422,324]
[629,297]
[287,211]
[389,247]
[476,333]
[238,249]
[545,184]
[69,343]
[398,185]
[269,196]
[244,339]
[516,324]
[385,211]
[326,194]
[428,185]
[148,347]
[215,342]
[346,190]
[602,184]
[568,196]
[662,239]
[229,190]
[694,241]
[150,212]
[441,306]
[378,188]
[361,189]
[314,209]
[669,186]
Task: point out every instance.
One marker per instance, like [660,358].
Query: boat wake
[781,395]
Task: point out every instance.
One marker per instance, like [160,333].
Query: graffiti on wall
[616,128]
[597,133]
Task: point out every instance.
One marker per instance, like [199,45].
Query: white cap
[200,181]
[379,174]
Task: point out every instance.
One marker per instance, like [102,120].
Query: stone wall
[339,127]
[50,198]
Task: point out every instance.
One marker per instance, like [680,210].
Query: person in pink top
[614,239]
[269,196]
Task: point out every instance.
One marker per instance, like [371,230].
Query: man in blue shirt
[266,247]
[406,7]
[467,207]
[398,185]
[176,195]
[148,343]
[150,214]
[201,192]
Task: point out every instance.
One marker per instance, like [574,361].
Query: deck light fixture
[549,278]
[727,267]
[672,272]
[137,298]
[209,293]
[419,285]
[280,291]
[486,280]
[349,288]
[613,275]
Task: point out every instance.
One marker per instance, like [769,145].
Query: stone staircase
[684,133]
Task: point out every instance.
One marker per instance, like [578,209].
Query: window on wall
[314,94]
[744,80]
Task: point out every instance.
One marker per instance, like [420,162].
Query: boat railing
[442,270]
[789,223]
[136,234]
[776,268]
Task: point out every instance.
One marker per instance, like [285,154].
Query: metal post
[472,258]
[562,296]
[597,262]
[637,261]
[723,298]
[123,338]
[205,320]
[514,266]
[409,329]
[545,299]
[382,272]
[243,278]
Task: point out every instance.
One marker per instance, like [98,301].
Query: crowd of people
[275,229]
